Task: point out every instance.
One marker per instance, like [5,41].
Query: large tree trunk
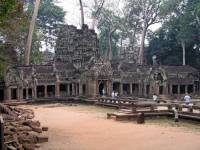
[30,34]
[110,43]
[183,48]
[98,9]
[82,13]
[141,52]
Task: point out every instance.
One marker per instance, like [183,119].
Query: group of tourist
[187,101]
[114,94]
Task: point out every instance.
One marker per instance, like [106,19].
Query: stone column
[7,93]
[186,88]
[68,89]
[45,91]
[145,90]
[27,97]
[73,92]
[77,89]
[121,88]
[165,90]
[57,89]
[140,89]
[34,92]
[80,89]
[131,89]
[171,87]
[179,89]
[19,93]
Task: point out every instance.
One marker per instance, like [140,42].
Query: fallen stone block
[36,129]
[45,128]
[42,139]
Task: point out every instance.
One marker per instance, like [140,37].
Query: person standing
[113,94]
[155,97]
[187,99]
[176,114]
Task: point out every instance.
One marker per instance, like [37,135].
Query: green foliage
[107,22]
[6,6]
[50,16]
[181,27]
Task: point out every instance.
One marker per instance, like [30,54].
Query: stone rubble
[21,132]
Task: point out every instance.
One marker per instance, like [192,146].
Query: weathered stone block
[42,139]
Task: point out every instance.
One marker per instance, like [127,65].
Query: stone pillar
[45,91]
[57,89]
[77,89]
[131,89]
[68,89]
[34,92]
[27,96]
[179,89]
[140,89]
[121,88]
[19,89]
[7,93]
[186,88]
[145,90]
[80,89]
[73,92]
[165,90]
[171,87]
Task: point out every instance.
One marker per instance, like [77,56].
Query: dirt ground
[86,128]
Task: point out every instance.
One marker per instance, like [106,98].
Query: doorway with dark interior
[102,87]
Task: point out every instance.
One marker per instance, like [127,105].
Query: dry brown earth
[86,128]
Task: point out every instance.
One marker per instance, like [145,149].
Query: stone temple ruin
[79,70]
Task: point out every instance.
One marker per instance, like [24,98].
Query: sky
[72,9]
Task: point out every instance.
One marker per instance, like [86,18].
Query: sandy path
[86,128]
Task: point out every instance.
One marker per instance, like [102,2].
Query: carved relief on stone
[13,77]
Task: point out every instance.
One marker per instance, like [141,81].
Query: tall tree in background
[177,42]
[97,10]
[108,24]
[148,12]
[82,13]
[30,35]
[50,17]
[12,19]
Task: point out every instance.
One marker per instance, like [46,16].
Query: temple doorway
[1,94]
[102,86]
[40,91]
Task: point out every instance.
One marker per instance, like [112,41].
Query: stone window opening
[84,89]
[116,86]
[1,94]
[190,88]
[13,94]
[175,89]
[135,89]
[63,89]
[51,90]
[126,89]
[30,94]
[160,90]
[182,89]
[40,91]
[147,89]
[24,93]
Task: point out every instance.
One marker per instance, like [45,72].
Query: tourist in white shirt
[187,99]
